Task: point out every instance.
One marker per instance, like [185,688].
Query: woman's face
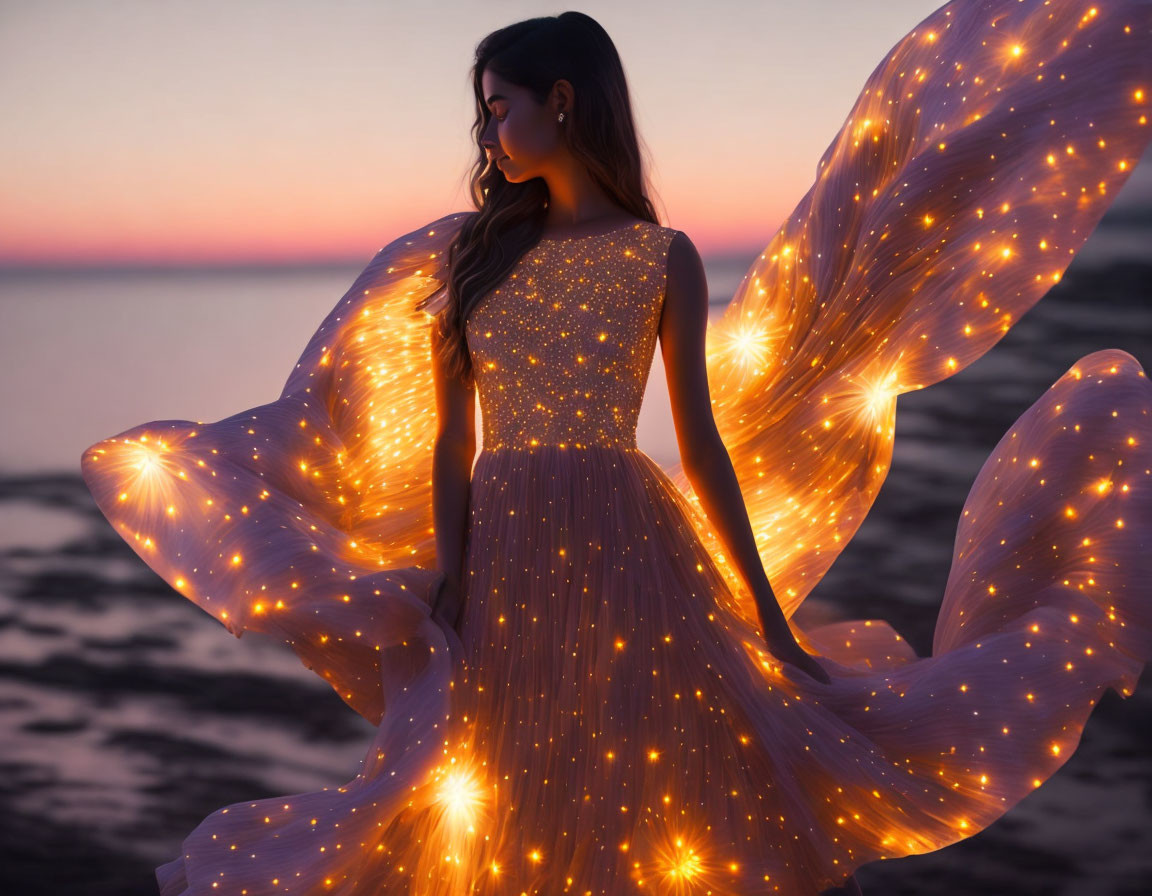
[523,135]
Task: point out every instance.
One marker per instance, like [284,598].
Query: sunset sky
[209,131]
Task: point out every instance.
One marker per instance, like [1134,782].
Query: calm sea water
[127,714]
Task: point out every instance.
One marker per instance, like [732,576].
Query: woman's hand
[786,649]
[447,604]
[778,635]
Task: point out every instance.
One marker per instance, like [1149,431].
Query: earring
[561,118]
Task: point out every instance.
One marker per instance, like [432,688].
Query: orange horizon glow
[289,236]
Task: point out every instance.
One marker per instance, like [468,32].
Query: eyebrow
[494,97]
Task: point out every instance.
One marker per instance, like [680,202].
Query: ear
[562,96]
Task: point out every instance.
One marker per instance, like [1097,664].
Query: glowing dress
[608,721]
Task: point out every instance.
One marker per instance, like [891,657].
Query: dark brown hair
[599,131]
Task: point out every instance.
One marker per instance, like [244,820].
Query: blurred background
[186,189]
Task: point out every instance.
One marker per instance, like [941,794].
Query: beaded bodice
[561,349]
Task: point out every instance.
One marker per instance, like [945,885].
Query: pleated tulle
[610,715]
[606,720]
[613,722]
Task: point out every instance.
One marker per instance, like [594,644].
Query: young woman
[582,683]
[562,179]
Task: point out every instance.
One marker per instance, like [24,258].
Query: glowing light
[858,299]
[875,396]
[461,795]
[748,346]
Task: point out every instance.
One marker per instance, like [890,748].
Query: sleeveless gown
[607,719]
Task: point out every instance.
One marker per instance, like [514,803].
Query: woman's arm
[452,458]
[683,327]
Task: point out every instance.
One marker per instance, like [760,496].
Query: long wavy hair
[599,131]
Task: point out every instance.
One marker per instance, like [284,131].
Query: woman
[570,687]
[578,189]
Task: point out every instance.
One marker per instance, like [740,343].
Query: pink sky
[299,131]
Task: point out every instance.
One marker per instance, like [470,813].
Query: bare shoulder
[686,278]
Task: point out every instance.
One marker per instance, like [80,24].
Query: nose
[488,139]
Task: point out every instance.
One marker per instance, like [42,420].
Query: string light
[610,711]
